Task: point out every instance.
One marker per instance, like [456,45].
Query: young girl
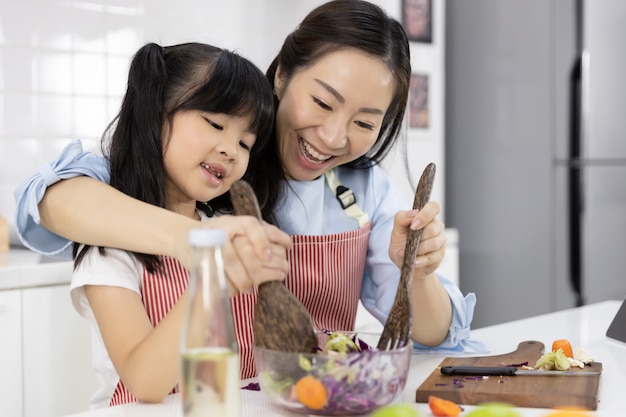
[188,123]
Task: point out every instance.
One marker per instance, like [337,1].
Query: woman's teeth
[311,154]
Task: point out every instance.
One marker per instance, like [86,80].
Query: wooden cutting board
[522,391]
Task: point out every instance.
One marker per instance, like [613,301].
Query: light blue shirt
[308,208]
[72,162]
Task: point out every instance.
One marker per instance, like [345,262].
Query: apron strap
[346,198]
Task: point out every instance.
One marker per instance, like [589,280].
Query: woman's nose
[334,133]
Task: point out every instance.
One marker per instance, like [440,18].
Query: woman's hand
[432,248]
[432,309]
[254,251]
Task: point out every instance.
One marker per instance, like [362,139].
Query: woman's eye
[322,104]
[365,125]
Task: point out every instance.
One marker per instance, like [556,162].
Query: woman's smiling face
[330,113]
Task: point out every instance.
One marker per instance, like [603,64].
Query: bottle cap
[207,237]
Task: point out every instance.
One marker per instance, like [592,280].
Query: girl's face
[205,155]
[331,112]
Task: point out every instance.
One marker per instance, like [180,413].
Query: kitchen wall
[63,67]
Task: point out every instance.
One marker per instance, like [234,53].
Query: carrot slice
[565,345]
[443,408]
[311,392]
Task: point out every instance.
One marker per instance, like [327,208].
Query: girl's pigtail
[140,125]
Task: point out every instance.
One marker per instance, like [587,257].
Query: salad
[346,376]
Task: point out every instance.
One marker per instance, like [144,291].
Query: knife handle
[478,370]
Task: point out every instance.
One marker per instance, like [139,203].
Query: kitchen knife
[508,371]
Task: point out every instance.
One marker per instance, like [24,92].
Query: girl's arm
[146,358]
[107,288]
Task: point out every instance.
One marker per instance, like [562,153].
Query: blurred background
[493,104]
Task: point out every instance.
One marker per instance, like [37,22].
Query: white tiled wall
[63,68]
[63,63]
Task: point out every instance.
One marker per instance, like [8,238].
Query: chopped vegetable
[565,345]
[252,386]
[553,361]
[494,409]
[351,378]
[340,342]
[581,355]
[443,408]
[311,392]
[397,410]
[575,362]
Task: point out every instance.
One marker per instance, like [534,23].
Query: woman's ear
[278,82]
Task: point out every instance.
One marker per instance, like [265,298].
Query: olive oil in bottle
[210,361]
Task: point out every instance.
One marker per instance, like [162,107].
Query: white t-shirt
[117,268]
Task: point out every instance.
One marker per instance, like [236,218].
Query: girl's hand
[254,251]
[433,241]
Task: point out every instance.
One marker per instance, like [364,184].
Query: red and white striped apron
[326,273]
[159,293]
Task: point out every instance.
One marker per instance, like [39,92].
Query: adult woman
[341,82]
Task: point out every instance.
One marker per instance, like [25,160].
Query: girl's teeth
[217,174]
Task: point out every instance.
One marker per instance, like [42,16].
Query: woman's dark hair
[163,81]
[335,26]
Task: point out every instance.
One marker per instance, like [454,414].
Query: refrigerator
[535,123]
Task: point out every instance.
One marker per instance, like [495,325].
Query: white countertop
[585,326]
[23,268]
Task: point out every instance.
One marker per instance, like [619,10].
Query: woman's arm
[86,210]
[71,162]
[440,312]
[91,212]
[432,308]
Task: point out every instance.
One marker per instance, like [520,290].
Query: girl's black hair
[161,82]
[334,26]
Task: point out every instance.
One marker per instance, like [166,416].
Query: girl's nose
[229,148]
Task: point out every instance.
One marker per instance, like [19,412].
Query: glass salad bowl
[347,376]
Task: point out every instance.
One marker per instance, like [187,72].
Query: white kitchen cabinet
[58,375]
[11,353]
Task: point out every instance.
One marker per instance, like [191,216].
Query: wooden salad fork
[281,322]
[397,330]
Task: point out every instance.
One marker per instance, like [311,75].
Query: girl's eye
[245,146]
[215,125]
[321,104]
[365,125]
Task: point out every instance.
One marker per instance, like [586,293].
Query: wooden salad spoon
[281,322]
[397,330]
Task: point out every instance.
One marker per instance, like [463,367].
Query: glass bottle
[210,360]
